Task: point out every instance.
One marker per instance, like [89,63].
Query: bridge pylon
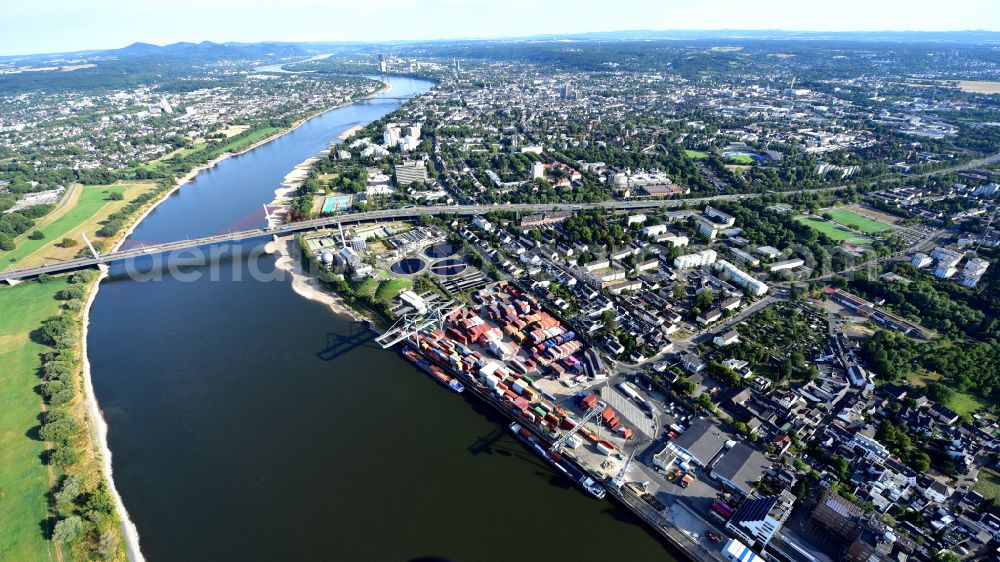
[91,246]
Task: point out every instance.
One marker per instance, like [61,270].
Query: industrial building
[698,444]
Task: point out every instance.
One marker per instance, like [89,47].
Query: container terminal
[508,351]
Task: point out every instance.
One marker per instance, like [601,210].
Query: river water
[248,423]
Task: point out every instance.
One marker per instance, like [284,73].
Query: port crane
[586,418]
[619,479]
[409,325]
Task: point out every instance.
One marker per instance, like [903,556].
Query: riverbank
[286,250]
[98,429]
[96,425]
[350,132]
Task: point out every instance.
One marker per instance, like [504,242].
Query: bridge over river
[14,275]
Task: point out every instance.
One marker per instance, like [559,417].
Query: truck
[629,390]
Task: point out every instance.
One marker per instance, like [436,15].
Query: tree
[69,491]
[67,243]
[939,392]
[705,401]
[64,456]
[608,318]
[705,299]
[72,292]
[679,291]
[7,243]
[59,431]
[683,386]
[37,235]
[921,462]
[107,547]
[68,529]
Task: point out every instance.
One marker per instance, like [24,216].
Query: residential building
[701,259]
[730,337]
[741,278]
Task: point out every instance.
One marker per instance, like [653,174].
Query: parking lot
[636,416]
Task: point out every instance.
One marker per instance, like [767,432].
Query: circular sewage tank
[449,267]
[442,250]
[408,266]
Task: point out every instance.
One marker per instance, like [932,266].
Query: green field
[833,230]
[389,289]
[988,485]
[92,207]
[696,154]
[242,143]
[24,480]
[208,152]
[962,403]
[740,159]
[861,222]
[366,287]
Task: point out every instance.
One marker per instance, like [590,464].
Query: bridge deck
[350,218]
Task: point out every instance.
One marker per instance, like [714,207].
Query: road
[351,218]
[413,212]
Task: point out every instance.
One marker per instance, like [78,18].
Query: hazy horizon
[117,23]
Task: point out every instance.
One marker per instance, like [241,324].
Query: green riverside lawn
[24,480]
[92,200]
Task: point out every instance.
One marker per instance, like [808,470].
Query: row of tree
[85,510]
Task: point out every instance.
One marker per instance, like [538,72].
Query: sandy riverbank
[350,132]
[286,250]
[99,428]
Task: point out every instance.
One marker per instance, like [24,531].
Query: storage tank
[327,258]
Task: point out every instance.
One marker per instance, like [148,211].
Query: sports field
[860,222]
[696,154]
[24,480]
[833,230]
[740,158]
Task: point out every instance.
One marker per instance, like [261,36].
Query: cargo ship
[436,373]
[588,484]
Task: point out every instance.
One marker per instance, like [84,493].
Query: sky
[45,26]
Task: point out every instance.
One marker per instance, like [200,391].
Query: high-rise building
[383,66]
[974,269]
[391,135]
[537,170]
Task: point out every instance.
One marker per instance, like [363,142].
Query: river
[248,423]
